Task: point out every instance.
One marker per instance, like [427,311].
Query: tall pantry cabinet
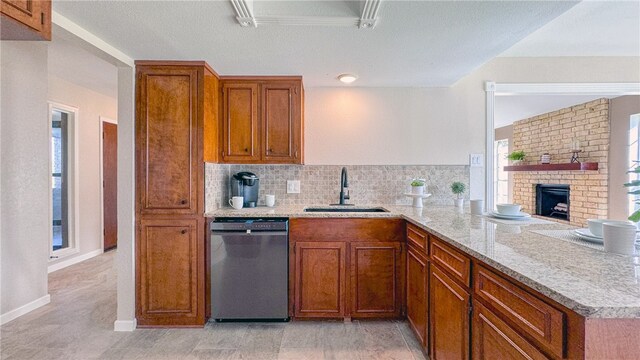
[176,132]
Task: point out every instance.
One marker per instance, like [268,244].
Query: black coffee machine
[247,185]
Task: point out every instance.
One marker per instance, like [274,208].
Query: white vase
[418,190]
[459,202]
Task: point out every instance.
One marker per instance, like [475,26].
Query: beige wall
[553,133]
[435,126]
[24,179]
[91,106]
[620,109]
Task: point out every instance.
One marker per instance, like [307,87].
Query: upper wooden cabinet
[171,128]
[262,120]
[25,19]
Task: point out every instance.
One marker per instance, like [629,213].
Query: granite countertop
[591,282]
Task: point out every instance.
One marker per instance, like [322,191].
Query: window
[501,177]
[63,180]
[634,154]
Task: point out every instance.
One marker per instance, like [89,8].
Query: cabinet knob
[183,202]
[296,154]
[183,232]
[246,149]
[270,151]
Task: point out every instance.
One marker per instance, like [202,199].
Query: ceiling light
[347,78]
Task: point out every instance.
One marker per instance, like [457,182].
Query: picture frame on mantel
[493,89]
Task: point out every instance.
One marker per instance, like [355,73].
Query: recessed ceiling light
[347,78]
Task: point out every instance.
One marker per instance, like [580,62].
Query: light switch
[293,186]
[476,160]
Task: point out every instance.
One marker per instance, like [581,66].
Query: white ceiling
[72,63]
[415,43]
[591,28]
[509,109]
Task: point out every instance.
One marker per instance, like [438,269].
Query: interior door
[109,184]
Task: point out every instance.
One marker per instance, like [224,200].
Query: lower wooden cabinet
[320,278]
[376,287]
[450,306]
[170,273]
[417,294]
[494,339]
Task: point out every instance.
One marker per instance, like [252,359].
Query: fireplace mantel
[554,167]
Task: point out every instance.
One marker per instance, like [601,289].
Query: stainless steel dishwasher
[249,269]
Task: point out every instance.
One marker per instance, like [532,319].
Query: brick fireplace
[553,133]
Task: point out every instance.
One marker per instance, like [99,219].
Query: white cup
[270,200]
[619,237]
[236,202]
[477,207]
[595,225]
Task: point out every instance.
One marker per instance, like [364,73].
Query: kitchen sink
[345,209]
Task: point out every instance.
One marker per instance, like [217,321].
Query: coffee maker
[247,185]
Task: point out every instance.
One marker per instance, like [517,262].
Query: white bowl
[595,225]
[508,209]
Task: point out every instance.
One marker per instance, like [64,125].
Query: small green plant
[634,187]
[458,188]
[516,155]
[417,182]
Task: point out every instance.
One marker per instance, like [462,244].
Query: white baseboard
[16,313]
[73,260]
[124,325]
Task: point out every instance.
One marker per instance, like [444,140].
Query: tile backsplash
[320,184]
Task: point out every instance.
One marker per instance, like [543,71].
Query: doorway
[109,158]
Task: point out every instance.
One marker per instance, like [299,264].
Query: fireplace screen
[553,201]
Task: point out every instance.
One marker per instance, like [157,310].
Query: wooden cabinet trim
[418,237]
[534,317]
[513,345]
[453,261]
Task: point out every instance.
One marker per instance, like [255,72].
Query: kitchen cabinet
[417,294]
[347,267]
[376,288]
[169,271]
[262,120]
[450,310]
[25,19]
[240,125]
[175,118]
[495,339]
[320,279]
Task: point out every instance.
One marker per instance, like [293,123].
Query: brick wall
[552,133]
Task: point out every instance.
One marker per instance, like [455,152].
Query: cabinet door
[34,17]
[417,296]
[281,122]
[240,125]
[167,143]
[494,339]
[168,272]
[449,317]
[320,274]
[376,279]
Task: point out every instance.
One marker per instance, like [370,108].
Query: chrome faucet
[344,183]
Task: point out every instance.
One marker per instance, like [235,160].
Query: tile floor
[78,324]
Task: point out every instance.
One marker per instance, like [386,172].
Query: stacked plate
[586,235]
[518,216]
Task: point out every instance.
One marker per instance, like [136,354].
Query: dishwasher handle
[251,233]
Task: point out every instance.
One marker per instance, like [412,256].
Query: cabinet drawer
[534,318]
[417,237]
[451,260]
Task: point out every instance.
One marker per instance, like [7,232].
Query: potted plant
[417,186]
[634,186]
[516,157]
[458,189]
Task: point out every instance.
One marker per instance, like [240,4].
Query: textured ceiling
[416,43]
[591,28]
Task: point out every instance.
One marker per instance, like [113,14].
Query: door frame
[494,89]
[103,119]
[74,183]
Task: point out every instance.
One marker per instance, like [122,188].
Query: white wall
[350,125]
[24,177]
[91,105]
